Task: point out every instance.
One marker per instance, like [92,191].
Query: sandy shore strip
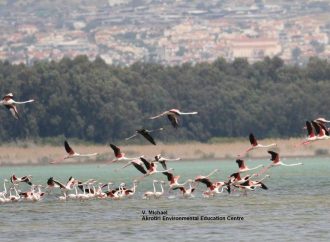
[35,154]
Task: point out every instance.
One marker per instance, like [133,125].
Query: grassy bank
[30,153]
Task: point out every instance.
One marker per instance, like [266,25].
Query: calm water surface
[295,208]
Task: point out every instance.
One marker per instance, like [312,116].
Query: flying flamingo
[256,145]
[210,174]
[71,153]
[243,168]
[10,104]
[236,179]
[56,184]
[186,193]
[222,186]
[173,180]
[252,185]
[119,155]
[16,180]
[138,164]
[151,168]
[321,121]
[145,134]
[275,158]
[310,134]
[162,160]
[213,187]
[322,131]
[173,115]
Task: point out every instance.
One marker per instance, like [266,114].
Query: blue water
[296,207]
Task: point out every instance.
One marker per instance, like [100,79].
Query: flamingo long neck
[188,181]
[238,177]
[168,170]
[270,145]
[265,169]
[84,189]
[217,191]
[188,113]
[216,170]
[296,164]
[162,188]
[134,186]
[86,155]
[89,188]
[250,177]
[190,188]
[255,167]
[263,178]
[28,101]
[120,191]
[127,164]
[4,187]
[94,190]
[16,192]
[153,184]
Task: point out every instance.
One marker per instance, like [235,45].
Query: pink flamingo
[173,115]
[119,155]
[10,104]
[256,145]
[71,153]
[243,168]
[275,158]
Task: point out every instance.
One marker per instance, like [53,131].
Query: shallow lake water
[295,207]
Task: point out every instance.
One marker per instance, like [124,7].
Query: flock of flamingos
[76,189]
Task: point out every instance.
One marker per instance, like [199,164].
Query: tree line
[93,101]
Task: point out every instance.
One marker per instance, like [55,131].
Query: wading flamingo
[150,194]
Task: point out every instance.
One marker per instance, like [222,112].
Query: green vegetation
[90,100]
